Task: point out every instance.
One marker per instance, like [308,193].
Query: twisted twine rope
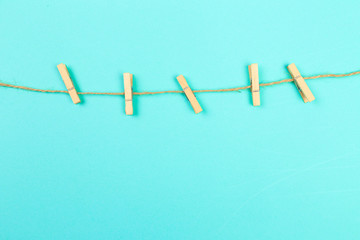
[196,91]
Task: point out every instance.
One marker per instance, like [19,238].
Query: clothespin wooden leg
[189,94]
[300,83]
[68,83]
[254,80]
[128,83]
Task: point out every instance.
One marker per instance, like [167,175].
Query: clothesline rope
[195,91]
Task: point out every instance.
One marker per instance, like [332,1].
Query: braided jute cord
[196,91]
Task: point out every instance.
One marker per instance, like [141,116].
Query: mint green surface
[284,170]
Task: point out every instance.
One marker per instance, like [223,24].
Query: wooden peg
[254,80]
[300,83]
[189,94]
[128,83]
[68,83]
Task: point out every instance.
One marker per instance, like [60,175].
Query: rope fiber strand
[195,91]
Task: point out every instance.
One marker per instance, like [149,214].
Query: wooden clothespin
[189,94]
[68,83]
[254,80]
[300,83]
[128,83]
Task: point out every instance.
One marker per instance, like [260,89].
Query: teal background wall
[285,170]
